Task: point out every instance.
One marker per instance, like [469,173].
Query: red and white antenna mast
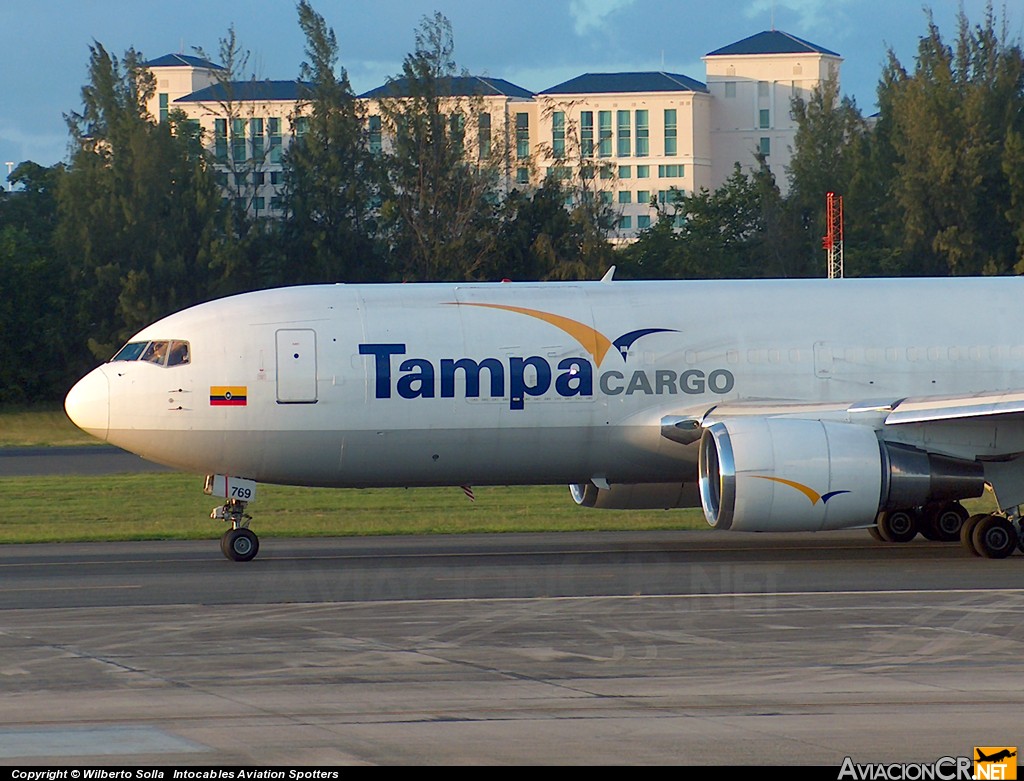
[833,240]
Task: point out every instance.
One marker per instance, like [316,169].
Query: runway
[651,648]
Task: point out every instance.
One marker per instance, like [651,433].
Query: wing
[788,460]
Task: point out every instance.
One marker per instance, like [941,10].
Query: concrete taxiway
[674,647]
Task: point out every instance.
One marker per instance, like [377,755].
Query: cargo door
[296,366]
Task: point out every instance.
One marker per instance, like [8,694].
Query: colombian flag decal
[228,395]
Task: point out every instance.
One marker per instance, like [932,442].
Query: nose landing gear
[239,543]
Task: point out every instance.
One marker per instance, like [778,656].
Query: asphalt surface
[653,648]
[698,648]
[79,460]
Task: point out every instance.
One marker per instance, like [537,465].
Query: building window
[276,203]
[606,197]
[626,171]
[275,177]
[671,132]
[625,222]
[587,133]
[375,136]
[558,134]
[765,146]
[730,89]
[522,176]
[483,124]
[625,196]
[274,132]
[643,221]
[238,140]
[221,178]
[643,171]
[241,180]
[644,197]
[301,126]
[163,106]
[625,134]
[256,131]
[643,134]
[522,136]
[762,89]
[607,172]
[764,118]
[671,171]
[220,135]
[259,204]
[604,143]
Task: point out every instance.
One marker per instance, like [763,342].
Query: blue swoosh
[624,342]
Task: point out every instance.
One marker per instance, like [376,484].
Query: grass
[172,506]
[157,506]
[40,428]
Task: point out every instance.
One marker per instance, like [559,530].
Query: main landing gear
[991,536]
[941,522]
[239,543]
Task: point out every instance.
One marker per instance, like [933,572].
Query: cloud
[590,15]
[809,14]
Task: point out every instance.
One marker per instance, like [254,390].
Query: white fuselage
[441,384]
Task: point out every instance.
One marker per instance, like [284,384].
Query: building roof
[248,91]
[183,61]
[455,86]
[771,42]
[652,81]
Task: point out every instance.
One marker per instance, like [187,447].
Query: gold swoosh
[594,342]
[810,493]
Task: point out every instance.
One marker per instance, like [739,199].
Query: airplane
[776,405]
[999,756]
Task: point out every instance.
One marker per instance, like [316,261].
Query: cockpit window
[178,354]
[156,353]
[160,352]
[130,352]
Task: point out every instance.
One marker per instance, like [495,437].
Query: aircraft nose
[88,403]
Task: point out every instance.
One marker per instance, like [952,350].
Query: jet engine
[640,496]
[786,474]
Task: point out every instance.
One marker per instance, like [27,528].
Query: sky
[44,44]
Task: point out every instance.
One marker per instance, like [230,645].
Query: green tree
[732,232]
[330,176]
[830,130]
[36,359]
[539,238]
[439,209]
[953,123]
[140,220]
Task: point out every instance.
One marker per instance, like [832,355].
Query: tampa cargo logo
[519,377]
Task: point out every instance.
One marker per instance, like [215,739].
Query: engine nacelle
[640,496]
[786,474]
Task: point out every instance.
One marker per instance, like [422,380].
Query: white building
[640,136]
